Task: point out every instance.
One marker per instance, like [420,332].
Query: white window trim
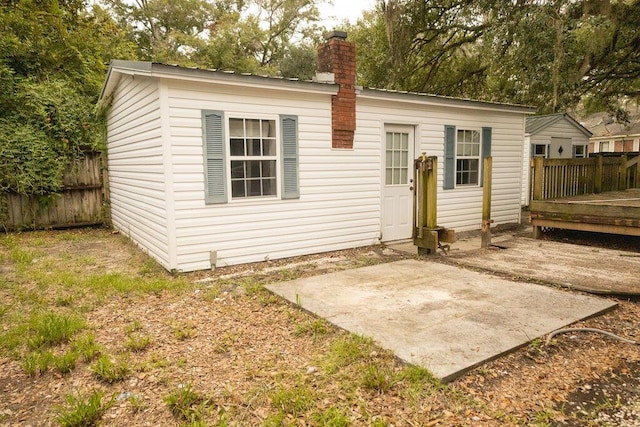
[401,131]
[546,150]
[456,157]
[229,158]
[585,152]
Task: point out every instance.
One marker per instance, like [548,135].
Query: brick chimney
[338,56]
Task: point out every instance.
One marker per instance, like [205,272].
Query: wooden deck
[616,212]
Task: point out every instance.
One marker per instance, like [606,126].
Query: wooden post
[432,192]
[637,172]
[597,180]
[622,177]
[538,178]
[486,203]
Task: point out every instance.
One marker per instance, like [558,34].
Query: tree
[556,54]
[426,46]
[261,36]
[52,65]
[165,30]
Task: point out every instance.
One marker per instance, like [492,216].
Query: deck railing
[556,178]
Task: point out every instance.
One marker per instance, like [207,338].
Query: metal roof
[245,79]
[536,124]
[155,69]
[404,96]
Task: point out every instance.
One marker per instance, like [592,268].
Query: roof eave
[427,99]
[210,76]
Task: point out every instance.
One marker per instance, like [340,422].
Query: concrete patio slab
[444,318]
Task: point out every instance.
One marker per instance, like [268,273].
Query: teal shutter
[486,150]
[289,141]
[449,157]
[214,157]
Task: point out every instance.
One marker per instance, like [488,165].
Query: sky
[351,10]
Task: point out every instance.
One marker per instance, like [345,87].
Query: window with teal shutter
[464,150]
[449,157]
[289,139]
[214,157]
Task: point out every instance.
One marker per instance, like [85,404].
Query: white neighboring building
[209,168]
[553,136]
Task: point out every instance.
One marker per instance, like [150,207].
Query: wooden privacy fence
[80,203]
[556,178]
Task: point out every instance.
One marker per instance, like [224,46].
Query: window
[540,150]
[397,161]
[467,157]
[579,151]
[253,157]
[257,159]
[604,146]
[463,153]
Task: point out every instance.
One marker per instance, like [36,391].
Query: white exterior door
[397,176]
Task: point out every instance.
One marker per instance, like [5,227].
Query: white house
[553,136]
[210,168]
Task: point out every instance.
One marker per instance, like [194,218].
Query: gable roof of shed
[154,69]
[536,124]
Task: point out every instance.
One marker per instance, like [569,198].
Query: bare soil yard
[91,329]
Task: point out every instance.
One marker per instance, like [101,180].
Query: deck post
[432,194]
[538,178]
[597,180]
[486,203]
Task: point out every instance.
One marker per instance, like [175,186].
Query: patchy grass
[85,310]
[82,410]
[86,346]
[138,342]
[186,404]
[109,371]
[292,400]
[183,330]
[314,328]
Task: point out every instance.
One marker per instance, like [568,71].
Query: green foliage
[138,342]
[332,417]
[66,362]
[555,55]
[37,362]
[377,378]
[84,410]
[347,350]
[316,328]
[294,400]
[108,371]
[52,65]
[46,329]
[186,404]
[415,375]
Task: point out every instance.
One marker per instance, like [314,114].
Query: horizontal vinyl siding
[560,129]
[526,170]
[459,208]
[135,163]
[339,204]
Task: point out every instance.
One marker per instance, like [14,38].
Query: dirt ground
[594,269]
[257,360]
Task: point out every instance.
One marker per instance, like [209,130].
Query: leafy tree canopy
[52,65]
[555,54]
